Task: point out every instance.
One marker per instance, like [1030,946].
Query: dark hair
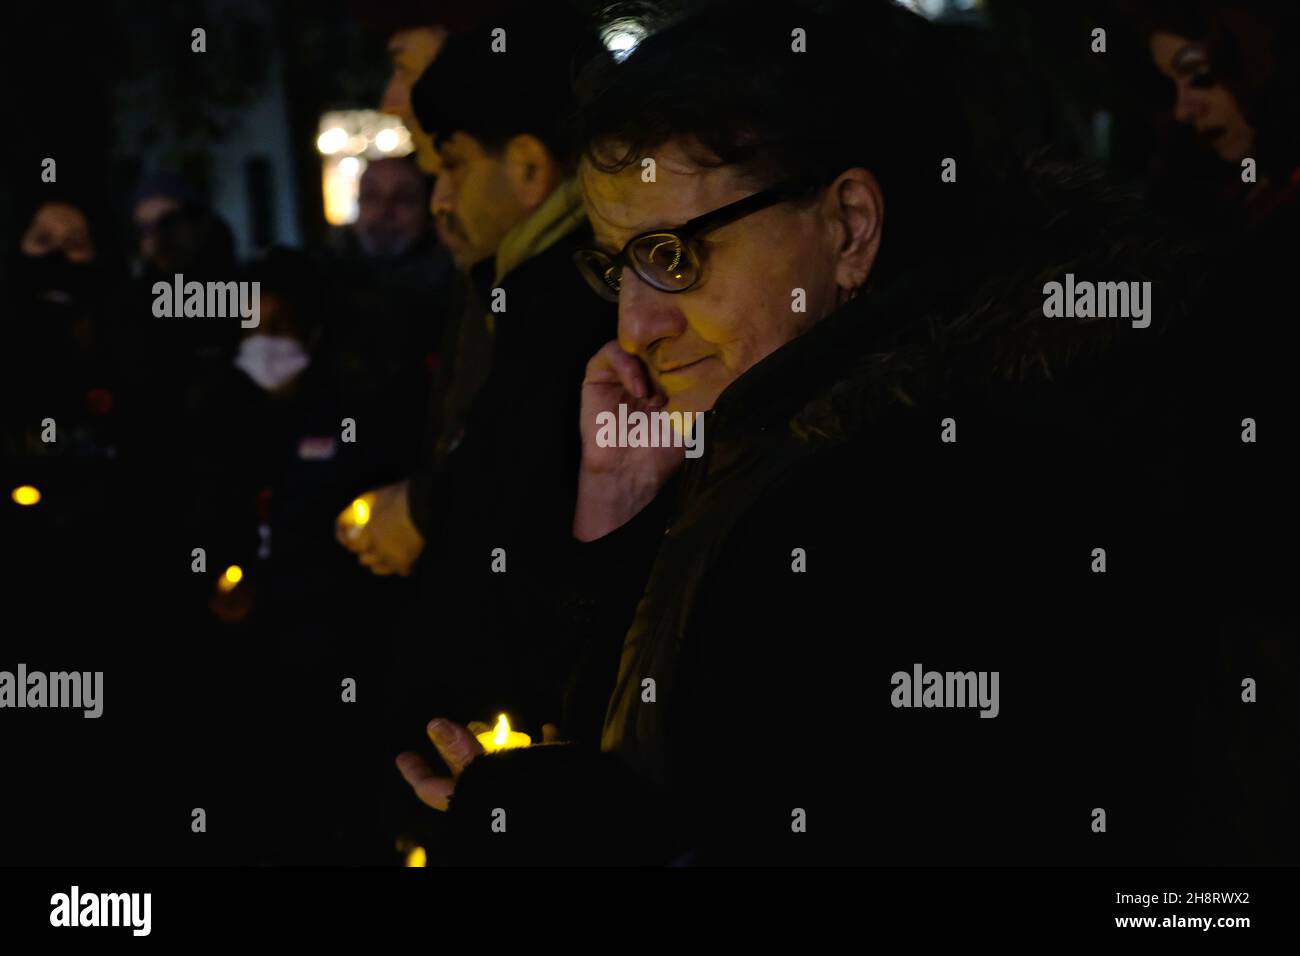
[496,96]
[870,91]
[408,163]
[1252,49]
[296,279]
[390,16]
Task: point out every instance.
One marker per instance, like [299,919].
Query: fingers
[477,727]
[432,790]
[550,734]
[377,563]
[347,532]
[356,538]
[455,744]
[612,365]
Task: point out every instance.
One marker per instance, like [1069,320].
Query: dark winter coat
[829,539]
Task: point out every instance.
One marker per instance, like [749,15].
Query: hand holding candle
[459,746]
[378,529]
[355,518]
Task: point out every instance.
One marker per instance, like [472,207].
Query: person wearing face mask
[267,470]
[269,419]
[57,310]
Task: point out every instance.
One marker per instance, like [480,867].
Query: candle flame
[501,736]
[234,574]
[26,495]
[360,512]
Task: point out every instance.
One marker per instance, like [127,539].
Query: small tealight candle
[502,737]
[26,495]
[233,575]
[359,515]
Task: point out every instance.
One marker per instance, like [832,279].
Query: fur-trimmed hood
[975,318]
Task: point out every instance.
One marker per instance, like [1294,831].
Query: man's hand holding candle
[458,746]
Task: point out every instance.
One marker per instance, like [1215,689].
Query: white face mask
[271,360]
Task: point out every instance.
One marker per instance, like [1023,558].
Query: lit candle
[502,737]
[227,582]
[358,514]
[417,857]
[25,495]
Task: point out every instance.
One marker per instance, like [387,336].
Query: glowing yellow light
[386,140]
[360,512]
[26,495]
[332,140]
[234,574]
[502,737]
[417,857]
[340,196]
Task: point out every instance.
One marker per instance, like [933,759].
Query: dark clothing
[387,320]
[465,360]
[509,484]
[778,693]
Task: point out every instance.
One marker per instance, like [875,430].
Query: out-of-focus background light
[621,36]
[941,9]
[348,139]
[332,140]
[26,495]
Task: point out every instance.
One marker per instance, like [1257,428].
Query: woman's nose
[1189,105]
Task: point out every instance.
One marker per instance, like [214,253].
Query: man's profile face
[696,343]
[473,200]
[410,52]
[1204,104]
[391,213]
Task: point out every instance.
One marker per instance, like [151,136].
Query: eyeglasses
[666,259]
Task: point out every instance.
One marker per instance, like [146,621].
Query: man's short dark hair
[870,91]
[496,96]
[391,16]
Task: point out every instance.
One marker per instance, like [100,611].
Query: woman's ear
[855,209]
[531,169]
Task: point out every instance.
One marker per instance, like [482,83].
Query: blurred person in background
[391,287]
[1232,74]
[502,470]
[59,320]
[268,472]
[1233,94]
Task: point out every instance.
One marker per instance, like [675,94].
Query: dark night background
[198,714]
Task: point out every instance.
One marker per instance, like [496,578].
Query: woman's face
[1200,100]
